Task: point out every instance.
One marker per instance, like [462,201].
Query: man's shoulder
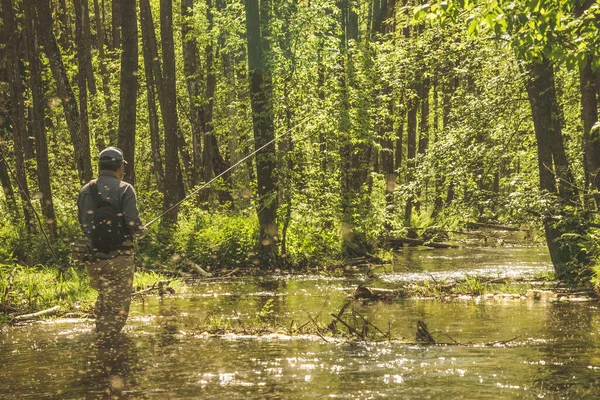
[85,189]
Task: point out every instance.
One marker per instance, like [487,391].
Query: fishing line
[228,169]
[37,216]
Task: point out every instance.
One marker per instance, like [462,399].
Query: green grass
[38,288]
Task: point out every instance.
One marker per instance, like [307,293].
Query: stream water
[162,355]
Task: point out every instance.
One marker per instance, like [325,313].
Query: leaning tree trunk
[128,98]
[552,162]
[259,73]
[168,101]
[38,125]
[17,111]
[81,147]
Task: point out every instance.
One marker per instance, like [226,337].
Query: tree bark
[84,133]
[411,146]
[116,24]
[259,74]
[17,111]
[190,69]
[129,84]
[38,125]
[552,162]
[169,111]
[64,90]
[64,26]
[108,102]
[207,111]
[589,117]
[148,36]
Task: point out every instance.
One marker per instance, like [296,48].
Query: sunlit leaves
[534,28]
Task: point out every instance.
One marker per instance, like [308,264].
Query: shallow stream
[553,348]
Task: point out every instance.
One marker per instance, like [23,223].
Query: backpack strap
[94,192]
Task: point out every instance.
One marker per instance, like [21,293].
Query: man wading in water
[109,218]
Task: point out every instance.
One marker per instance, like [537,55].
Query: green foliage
[217,239]
[35,289]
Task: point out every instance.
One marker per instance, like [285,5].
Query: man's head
[111,159]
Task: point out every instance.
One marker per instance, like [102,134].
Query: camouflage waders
[113,279]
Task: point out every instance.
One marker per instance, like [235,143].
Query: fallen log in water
[36,315]
[363,292]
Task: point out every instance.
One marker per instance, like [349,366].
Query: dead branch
[350,329]
[423,334]
[332,325]
[36,315]
[160,286]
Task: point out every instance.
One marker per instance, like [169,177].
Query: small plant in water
[475,286]
[266,311]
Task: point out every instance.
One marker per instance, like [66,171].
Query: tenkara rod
[37,216]
[226,171]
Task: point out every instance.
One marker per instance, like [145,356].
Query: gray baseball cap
[112,153]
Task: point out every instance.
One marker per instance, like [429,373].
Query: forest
[343,198]
[322,127]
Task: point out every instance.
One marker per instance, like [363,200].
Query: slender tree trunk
[552,161]
[84,133]
[423,137]
[259,73]
[411,146]
[6,186]
[589,117]
[87,51]
[190,69]
[129,84]
[147,25]
[64,26]
[64,90]
[169,110]
[207,110]
[17,111]
[108,102]
[116,23]
[38,126]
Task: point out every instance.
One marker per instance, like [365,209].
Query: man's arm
[131,214]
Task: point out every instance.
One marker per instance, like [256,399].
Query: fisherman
[110,220]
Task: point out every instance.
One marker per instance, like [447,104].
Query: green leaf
[472,28]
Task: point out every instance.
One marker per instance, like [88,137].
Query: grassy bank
[26,289]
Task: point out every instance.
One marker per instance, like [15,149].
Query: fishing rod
[37,216]
[227,170]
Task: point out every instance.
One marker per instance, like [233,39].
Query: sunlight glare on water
[551,350]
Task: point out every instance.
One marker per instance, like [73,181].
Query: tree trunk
[552,161]
[84,133]
[17,111]
[108,103]
[64,27]
[147,25]
[38,125]
[190,69]
[411,146]
[259,74]
[169,111]
[207,111]
[64,90]
[128,97]
[589,117]
[116,23]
